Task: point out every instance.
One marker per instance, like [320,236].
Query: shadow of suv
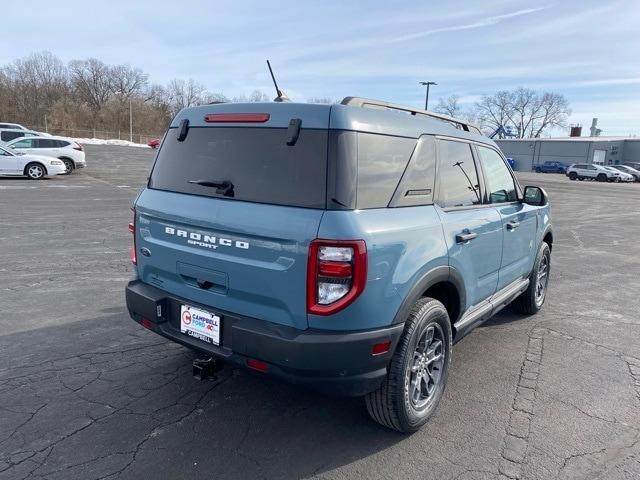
[341,247]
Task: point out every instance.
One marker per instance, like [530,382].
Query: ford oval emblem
[145,251]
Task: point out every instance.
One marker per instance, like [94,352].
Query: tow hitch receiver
[205,368]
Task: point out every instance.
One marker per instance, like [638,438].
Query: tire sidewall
[542,252]
[434,312]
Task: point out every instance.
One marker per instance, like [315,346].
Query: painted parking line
[33,187]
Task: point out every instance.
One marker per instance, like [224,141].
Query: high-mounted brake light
[336,274]
[236,117]
[132,230]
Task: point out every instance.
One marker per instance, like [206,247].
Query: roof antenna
[282,97]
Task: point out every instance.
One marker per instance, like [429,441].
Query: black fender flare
[439,274]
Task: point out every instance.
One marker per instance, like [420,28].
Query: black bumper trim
[334,362]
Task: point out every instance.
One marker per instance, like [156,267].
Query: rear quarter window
[257,161]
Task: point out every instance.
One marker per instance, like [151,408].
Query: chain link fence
[99,134]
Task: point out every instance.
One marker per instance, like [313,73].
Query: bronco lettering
[206,241]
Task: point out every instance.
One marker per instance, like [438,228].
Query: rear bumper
[334,362]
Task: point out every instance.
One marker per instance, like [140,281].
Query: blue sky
[587,50]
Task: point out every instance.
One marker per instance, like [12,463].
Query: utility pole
[426,100]
[46,127]
[130,122]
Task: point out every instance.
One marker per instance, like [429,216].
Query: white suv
[580,171]
[70,152]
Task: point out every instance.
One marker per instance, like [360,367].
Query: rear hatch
[230,210]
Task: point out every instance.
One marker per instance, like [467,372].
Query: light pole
[130,122]
[426,100]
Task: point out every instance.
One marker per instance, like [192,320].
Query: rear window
[257,161]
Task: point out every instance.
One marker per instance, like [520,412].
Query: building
[529,152]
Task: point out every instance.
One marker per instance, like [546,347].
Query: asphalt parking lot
[85,393]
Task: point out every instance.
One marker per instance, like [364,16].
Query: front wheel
[35,171]
[532,299]
[417,373]
[601,177]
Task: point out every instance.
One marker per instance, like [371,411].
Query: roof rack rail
[368,103]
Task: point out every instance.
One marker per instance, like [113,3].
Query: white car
[624,176]
[580,171]
[35,167]
[8,134]
[13,126]
[65,149]
[630,170]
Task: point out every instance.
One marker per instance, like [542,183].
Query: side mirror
[535,196]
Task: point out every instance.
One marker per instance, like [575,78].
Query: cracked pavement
[85,393]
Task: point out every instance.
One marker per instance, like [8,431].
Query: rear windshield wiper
[224,187]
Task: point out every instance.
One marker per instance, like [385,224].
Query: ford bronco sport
[342,247]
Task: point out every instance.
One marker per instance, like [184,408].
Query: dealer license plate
[200,324]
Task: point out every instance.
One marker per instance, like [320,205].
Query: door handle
[465,236]
[513,225]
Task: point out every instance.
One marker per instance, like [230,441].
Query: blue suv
[341,247]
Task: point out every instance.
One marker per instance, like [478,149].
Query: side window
[27,143]
[458,184]
[61,143]
[8,136]
[45,143]
[416,186]
[500,183]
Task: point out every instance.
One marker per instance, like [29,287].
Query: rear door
[519,220]
[241,246]
[473,231]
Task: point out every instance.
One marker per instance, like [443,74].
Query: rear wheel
[68,166]
[533,297]
[418,370]
[538,170]
[573,176]
[35,171]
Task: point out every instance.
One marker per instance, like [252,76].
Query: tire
[538,170]
[601,177]
[35,171]
[532,299]
[581,178]
[573,175]
[68,165]
[397,404]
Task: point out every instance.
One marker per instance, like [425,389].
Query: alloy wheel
[427,367]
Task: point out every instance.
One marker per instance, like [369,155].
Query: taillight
[132,230]
[336,274]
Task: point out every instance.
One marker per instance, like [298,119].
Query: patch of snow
[99,141]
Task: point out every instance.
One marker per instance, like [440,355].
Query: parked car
[580,171]
[322,245]
[623,176]
[630,170]
[635,165]
[12,126]
[67,150]
[36,167]
[154,143]
[8,134]
[551,167]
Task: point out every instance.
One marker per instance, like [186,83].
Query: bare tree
[324,100]
[526,112]
[91,82]
[449,106]
[186,93]
[126,83]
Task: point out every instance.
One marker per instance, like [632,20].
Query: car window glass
[8,136]
[45,143]
[23,144]
[500,183]
[458,184]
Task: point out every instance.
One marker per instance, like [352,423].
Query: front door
[8,163]
[473,231]
[519,220]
